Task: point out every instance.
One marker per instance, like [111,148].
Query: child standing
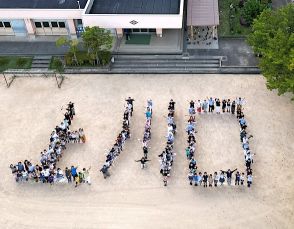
[205,179]
[210,180]
[242,179]
[215,179]
[237,179]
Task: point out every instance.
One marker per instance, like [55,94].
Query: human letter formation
[167,155]
[47,171]
[147,134]
[120,140]
[227,107]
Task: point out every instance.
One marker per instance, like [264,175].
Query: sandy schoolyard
[135,198]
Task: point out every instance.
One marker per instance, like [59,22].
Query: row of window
[52,24]
[5,24]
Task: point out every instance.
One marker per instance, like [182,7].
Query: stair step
[40,65]
[42,58]
[41,62]
[166,70]
[167,61]
[178,65]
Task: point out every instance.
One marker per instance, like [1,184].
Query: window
[38,24]
[79,22]
[45,24]
[7,24]
[61,24]
[152,30]
[1,24]
[54,24]
[136,30]
[144,30]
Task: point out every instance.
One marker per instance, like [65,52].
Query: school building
[32,19]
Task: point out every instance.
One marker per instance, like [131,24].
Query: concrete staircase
[165,64]
[41,62]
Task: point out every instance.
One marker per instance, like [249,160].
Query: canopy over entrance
[202,13]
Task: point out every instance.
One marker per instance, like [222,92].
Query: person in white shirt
[249,180]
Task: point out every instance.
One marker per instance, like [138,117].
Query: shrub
[104,57]
[21,62]
[251,9]
[4,61]
[57,64]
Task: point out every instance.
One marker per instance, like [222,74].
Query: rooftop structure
[135,7]
[42,4]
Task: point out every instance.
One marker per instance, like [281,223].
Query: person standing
[130,102]
[229,174]
[224,105]
[210,105]
[228,106]
[87,175]
[205,179]
[68,175]
[105,171]
[222,177]
[233,107]
[215,179]
[242,178]
[210,180]
[249,180]
[237,178]
[143,161]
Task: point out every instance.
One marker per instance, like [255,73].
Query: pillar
[159,32]
[119,32]
[72,28]
[30,28]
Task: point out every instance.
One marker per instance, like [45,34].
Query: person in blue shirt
[148,114]
[210,105]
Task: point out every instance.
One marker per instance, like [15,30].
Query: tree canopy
[273,38]
[96,40]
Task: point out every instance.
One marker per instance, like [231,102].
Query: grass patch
[230,19]
[14,62]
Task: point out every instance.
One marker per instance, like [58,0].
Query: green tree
[72,44]
[96,40]
[273,39]
[251,9]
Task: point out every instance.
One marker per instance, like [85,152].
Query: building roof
[202,13]
[135,7]
[42,4]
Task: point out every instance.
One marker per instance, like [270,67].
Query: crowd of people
[167,155]
[120,140]
[47,171]
[147,134]
[235,107]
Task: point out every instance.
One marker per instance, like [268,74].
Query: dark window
[7,24]
[152,30]
[38,24]
[79,22]
[144,30]
[1,24]
[45,24]
[136,30]
[54,24]
[61,24]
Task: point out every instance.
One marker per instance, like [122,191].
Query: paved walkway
[30,48]
[237,51]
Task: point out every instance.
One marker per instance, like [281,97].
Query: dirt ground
[135,198]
